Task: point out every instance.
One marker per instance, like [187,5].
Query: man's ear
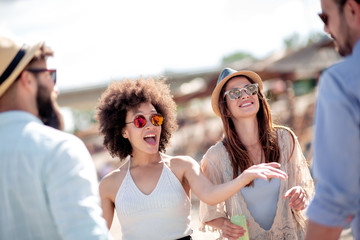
[352,9]
[26,81]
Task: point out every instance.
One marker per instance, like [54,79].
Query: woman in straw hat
[273,209]
[151,191]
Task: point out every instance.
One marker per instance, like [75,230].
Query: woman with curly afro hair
[151,191]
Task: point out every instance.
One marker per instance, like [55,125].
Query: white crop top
[163,214]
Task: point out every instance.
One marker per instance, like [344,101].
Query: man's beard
[49,113]
[344,48]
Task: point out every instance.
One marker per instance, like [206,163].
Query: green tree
[315,37]
[237,56]
[295,41]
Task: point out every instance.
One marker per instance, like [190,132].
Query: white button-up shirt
[48,183]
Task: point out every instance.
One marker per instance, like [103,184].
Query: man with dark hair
[48,182]
[336,204]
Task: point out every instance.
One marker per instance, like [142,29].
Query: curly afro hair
[120,97]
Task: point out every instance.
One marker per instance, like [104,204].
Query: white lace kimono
[288,224]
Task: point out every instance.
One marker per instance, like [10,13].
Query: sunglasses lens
[157,119]
[234,94]
[53,76]
[251,89]
[139,121]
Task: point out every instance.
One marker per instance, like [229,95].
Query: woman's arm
[213,194]
[107,203]
[321,232]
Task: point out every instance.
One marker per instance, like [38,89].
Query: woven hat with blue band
[13,60]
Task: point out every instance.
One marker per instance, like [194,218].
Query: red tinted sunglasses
[140,120]
[52,72]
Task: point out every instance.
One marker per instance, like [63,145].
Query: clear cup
[240,220]
[237,217]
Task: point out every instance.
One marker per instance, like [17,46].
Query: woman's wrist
[243,179]
[216,223]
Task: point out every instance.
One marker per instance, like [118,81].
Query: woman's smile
[151,139]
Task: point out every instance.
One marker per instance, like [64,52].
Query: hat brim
[215,94]
[30,53]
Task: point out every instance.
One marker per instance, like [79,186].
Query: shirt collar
[356,50]
[16,116]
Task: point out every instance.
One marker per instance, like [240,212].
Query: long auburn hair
[239,156]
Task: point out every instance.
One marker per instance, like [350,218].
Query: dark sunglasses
[236,93]
[324,17]
[52,72]
[140,121]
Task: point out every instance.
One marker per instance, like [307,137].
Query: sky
[96,42]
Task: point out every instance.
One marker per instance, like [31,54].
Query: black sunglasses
[324,17]
[52,72]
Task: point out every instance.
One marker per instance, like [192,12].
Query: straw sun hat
[13,60]
[225,75]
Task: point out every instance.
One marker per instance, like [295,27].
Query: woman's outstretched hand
[264,171]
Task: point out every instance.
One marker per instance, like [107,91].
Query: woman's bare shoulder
[180,164]
[111,182]
[178,160]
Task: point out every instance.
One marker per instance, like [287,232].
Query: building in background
[289,79]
